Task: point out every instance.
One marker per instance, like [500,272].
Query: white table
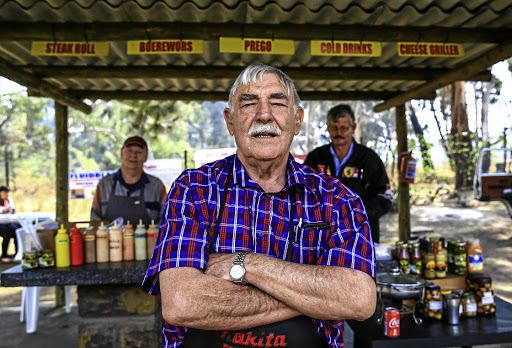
[41,216]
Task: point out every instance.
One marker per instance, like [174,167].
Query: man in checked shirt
[257,250]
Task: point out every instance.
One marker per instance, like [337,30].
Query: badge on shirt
[349,172]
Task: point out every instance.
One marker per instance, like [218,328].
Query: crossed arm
[278,290]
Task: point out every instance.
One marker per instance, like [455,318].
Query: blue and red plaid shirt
[330,223]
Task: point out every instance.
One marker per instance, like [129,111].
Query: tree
[428,165]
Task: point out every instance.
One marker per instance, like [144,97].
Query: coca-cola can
[391,322]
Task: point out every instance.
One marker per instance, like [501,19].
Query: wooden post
[61,171]
[61,184]
[404,214]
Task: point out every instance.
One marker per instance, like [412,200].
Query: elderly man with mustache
[257,250]
[355,165]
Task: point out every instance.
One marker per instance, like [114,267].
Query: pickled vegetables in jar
[433,302]
[468,303]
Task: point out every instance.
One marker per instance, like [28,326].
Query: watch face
[237,272]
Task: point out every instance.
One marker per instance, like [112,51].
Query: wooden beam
[16,31]
[223,95]
[404,214]
[46,89]
[231,72]
[484,61]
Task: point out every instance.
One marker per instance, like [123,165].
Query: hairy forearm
[322,292]
[210,303]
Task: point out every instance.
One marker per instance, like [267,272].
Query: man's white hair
[251,74]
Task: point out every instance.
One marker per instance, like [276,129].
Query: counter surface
[124,272]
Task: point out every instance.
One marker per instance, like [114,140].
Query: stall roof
[483,27]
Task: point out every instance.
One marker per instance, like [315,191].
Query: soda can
[391,322]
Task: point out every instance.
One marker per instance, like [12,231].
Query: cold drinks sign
[345,48]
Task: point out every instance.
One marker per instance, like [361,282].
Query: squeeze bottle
[102,252]
[128,242]
[77,247]
[140,242]
[62,247]
[89,245]
[152,235]
[115,243]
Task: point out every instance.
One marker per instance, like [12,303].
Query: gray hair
[252,72]
[341,111]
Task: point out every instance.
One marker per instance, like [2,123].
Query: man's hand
[219,265]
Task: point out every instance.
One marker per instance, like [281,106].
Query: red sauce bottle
[76,247]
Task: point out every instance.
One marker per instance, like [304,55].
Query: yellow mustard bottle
[128,242]
[102,252]
[140,242]
[62,255]
[152,235]
[115,243]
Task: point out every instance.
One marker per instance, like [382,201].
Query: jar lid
[468,295]
[480,278]
[433,287]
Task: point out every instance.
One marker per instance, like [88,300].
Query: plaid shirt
[258,222]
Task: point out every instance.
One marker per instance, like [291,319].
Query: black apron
[127,207]
[297,332]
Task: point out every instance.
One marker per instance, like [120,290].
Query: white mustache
[264,129]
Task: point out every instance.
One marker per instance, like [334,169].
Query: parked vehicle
[493,176]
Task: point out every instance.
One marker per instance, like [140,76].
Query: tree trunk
[428,165]
[461,147]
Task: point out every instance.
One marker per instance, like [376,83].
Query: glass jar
[433,302]
[46,258]
[480,284]
[469,305]
[403,258]
[451,263]
[459,258]
[29,260]
[415,262]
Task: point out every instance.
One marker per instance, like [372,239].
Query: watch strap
[239,260]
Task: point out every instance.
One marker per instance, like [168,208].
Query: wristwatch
[237,270]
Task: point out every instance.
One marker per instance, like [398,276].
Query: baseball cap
[4,188]
[136,140]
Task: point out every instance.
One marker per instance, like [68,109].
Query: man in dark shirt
[356,166]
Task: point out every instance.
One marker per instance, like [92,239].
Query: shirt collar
[294,172]
[135,186]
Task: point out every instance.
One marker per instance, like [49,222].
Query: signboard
[83,185]
[210,155]
[346,48]
[430,49]
[70,48]
[166,170]
[256,46]
[165,47]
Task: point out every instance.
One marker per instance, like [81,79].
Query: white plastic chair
[30,294]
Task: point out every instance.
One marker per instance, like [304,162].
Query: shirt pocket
[310,239]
